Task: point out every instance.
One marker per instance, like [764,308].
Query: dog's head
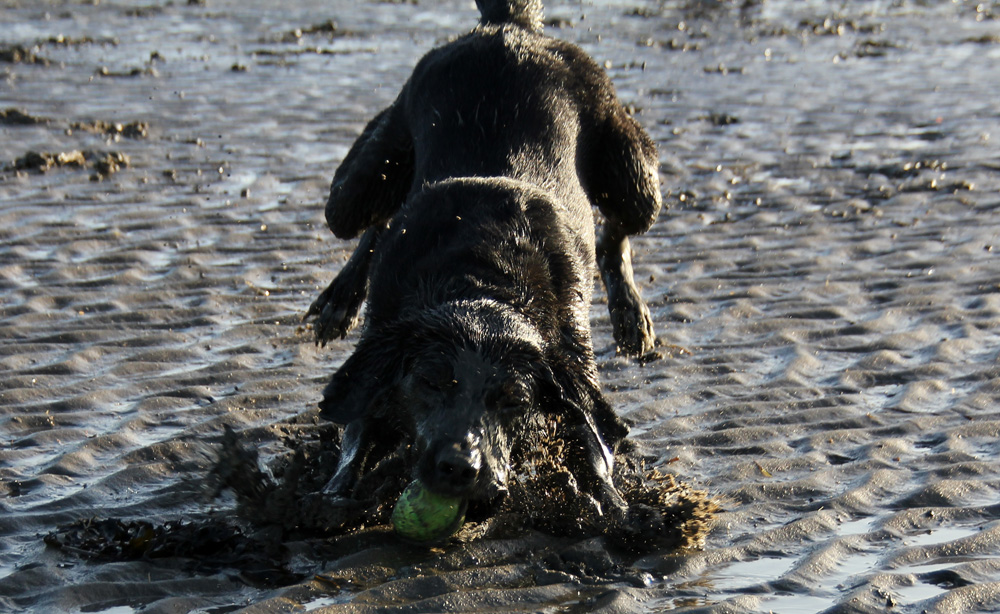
[469,386]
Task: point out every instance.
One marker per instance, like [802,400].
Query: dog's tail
[525,13]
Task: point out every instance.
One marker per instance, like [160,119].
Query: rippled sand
[825,286]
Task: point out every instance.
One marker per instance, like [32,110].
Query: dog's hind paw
[631,322]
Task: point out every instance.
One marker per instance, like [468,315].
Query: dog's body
[474,192]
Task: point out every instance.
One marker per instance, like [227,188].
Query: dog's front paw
[646,528]
[631,322]
[642,529]
[337,309]
[320,512]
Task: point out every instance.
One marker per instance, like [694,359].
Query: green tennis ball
[422,516]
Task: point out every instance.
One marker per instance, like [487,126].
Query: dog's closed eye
[436,384]
[513,394]
[434,377]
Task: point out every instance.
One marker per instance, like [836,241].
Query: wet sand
[825,286]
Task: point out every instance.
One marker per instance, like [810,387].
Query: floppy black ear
[578,396]
[592,429]
[374,367]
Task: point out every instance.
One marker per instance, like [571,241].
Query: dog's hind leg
[631,322]
[372,182]
[621,177]
[338,308]
[625,185]
[368,188]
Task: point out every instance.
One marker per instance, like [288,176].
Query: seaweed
[104,164]
[205,546]
[663,512]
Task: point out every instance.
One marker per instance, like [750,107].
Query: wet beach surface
[825,285]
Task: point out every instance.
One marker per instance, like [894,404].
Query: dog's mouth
[451,479]
[461,469]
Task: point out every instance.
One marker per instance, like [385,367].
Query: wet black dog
[474,192]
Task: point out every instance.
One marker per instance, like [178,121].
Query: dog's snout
[456,467]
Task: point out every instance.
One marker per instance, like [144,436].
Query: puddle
[861,526]
[918,592]
[749,573]
[940,536]
[796,604]
[675,603]
[327,600]
[859,564]
[919,569]
[120,609]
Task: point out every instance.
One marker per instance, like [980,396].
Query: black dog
[474,193]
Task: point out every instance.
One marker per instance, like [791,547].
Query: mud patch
[328,28]
[147,71]
[17,117]
[664,513]
[19,54]
[115,130]
[203,547]
[70,41]
[103,164]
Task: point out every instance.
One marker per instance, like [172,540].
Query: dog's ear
[372,370]
[592,429]
[578,396]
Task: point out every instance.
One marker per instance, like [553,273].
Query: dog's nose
[456,467]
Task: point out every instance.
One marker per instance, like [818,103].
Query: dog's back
[481,238]
[497,103]
[504,100]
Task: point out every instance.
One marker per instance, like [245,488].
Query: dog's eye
[435,382]
[514,396]
[431,375]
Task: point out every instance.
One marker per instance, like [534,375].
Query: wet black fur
[474,194]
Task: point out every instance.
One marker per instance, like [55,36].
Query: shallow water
[825,285]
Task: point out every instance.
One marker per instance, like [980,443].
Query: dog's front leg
[338,308]
[334,507]
[631,321]
[354,448]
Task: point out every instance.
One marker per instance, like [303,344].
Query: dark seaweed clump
[198,546]
[544,495]
[291,500]
[103,164]
[17,117]
[19,54]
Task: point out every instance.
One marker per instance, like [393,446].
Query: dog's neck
[525,13]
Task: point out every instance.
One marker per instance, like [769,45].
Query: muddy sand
[825,284]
